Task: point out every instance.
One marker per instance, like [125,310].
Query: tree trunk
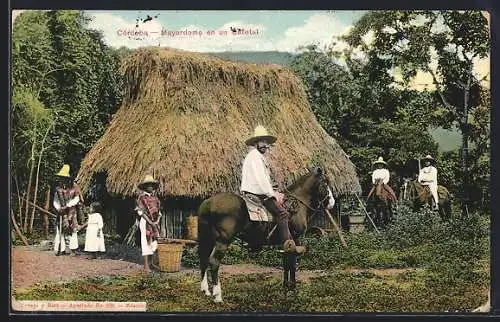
[28,189]
[35,192]
[45,215]
[16,227]
[465,147]
[19,199]
[38,174]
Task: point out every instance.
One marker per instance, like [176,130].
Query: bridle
[320,206]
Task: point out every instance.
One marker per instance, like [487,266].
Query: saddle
[256,209]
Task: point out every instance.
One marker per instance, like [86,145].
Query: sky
[267,30]
[280,30]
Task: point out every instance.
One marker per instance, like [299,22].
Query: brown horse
[379,204]
[224,215]
[421,195]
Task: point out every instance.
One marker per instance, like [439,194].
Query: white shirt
[69,204]
[428,174]
[255,176]
[381,174]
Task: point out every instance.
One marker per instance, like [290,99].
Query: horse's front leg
[214,263]
[204,283]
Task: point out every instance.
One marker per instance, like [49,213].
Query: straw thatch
[185,117]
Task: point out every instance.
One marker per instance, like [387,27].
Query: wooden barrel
[356,223]
[192,227]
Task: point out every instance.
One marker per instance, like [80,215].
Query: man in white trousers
[428,177]
[66,199]
[148,210]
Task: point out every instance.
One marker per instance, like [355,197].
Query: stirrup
[289,246]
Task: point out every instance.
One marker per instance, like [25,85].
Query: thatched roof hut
[185,117]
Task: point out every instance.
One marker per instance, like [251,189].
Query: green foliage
[411,228]
[190,257]
[64,78]
[367,116]
[412,41]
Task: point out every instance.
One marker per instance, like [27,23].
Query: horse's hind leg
[205,248]
[292,261]
[286,270]
[214,263]
[204,253]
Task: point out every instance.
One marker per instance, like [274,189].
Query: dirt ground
[30,265]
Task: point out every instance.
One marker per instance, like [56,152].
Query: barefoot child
[94,237]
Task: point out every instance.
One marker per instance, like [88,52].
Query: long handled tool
[342,240]
[367,215]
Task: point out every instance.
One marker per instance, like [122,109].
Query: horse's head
[322,191]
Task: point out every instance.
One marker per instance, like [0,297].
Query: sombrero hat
[380,160]
[428,157]
[260,134]
[148,179]
[64,172]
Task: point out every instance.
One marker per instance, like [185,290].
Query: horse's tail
[206,241]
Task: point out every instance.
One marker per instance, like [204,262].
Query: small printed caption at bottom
[78,306]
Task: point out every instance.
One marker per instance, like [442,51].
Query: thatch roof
[185,117]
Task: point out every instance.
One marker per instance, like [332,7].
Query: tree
[65,85]
[416,41]
[367,116]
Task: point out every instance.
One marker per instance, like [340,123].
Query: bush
[409,228]
[449,250]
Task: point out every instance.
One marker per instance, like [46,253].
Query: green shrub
[190,257]
[410,228]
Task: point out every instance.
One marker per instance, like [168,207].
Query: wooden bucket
[356,223]
[169,256]
[192,228]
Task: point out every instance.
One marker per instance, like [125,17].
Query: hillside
[447,139]
[260,57]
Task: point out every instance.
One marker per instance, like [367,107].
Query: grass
[419,264]
[341,291]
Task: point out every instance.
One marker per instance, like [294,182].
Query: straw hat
[64,172]
[380,160]
[148,179]
[260,134]
[428,157]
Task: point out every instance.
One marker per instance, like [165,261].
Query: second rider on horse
[381,173]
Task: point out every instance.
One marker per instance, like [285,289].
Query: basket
[169,257]
[192,228]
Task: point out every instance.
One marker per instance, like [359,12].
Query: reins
[288,192]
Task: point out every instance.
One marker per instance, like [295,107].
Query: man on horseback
[256,180]
[381,173]
[148,209]
[428,177]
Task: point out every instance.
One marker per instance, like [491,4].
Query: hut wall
[120,215]
[320,219]
[176,211]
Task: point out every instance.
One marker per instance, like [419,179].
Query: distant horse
[421,195]
[225,215]
[379,204]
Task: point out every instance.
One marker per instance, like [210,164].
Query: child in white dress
[94,237]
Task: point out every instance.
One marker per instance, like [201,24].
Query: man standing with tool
[66,199]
